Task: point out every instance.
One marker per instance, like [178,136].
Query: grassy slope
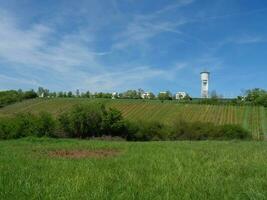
[252,118]
[154,170]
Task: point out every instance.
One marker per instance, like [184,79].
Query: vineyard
[253,118]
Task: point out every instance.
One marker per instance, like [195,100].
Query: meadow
[252,118]
[141,170]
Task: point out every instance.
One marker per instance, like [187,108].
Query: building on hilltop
[114,95]
[180,95]
[146,95]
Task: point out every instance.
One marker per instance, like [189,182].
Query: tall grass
[155,170]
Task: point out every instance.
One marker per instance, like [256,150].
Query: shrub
[8,129]
[12,96]
[23,125]
[233,132]
[201,131]
[26,124]
[93,120]
[46,125]
[113,123]
[82,121]
[147,131]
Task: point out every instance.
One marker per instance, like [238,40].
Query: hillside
[252,118]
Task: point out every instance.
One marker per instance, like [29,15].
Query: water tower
[204,84]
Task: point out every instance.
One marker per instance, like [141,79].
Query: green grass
[251,118]
[152,170]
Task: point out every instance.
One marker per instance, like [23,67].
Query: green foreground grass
[148,170]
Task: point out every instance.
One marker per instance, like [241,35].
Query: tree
[131,94]
[77,93]
[82,121]
[60,94]
[69,94]
[257,96]
[187,97]
[30,94]
[42,92]
[46,124]
[113,123]
[151,95]
[165,95]
[140,92]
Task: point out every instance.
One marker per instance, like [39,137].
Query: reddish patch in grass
[102,153]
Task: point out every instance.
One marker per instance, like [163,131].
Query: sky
[116,45]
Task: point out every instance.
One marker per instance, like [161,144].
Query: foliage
[12,96]
[92,120]
[46,125]
[131,94]
[82,121]
[23,125]
[103,95]
[147,131]
[203,131]
[257,97]
[165,95]
[113,123]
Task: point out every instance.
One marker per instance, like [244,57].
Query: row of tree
[253,97]
[129,94]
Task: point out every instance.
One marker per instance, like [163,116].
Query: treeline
[95,120]
[250,97]
[12,96]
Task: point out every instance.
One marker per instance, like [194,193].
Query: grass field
[252,118]
[149,170]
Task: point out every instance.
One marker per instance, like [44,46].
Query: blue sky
[114,45]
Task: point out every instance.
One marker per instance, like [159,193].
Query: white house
[114,95]
[180,95]
[145,95]
[41,95]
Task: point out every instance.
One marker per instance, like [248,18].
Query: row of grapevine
[252,118]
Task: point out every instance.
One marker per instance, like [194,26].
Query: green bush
[12,96]
[113,123]
[233,132]
[26,124]
[8,129]
[202,131]
[82,121]
[46,125]
[23,125]
[147,131]
[93,120]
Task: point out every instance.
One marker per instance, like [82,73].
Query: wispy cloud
[248,39]
[178,4]
[69,58]
[145,26]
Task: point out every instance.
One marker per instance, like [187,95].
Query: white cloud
[69,58]
[250,39]
[178,4]
[132,78]
[143,27]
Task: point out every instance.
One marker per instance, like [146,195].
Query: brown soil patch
[85,153]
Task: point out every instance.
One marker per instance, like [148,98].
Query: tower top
[205,72]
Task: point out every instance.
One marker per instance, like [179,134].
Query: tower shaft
[204,84]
